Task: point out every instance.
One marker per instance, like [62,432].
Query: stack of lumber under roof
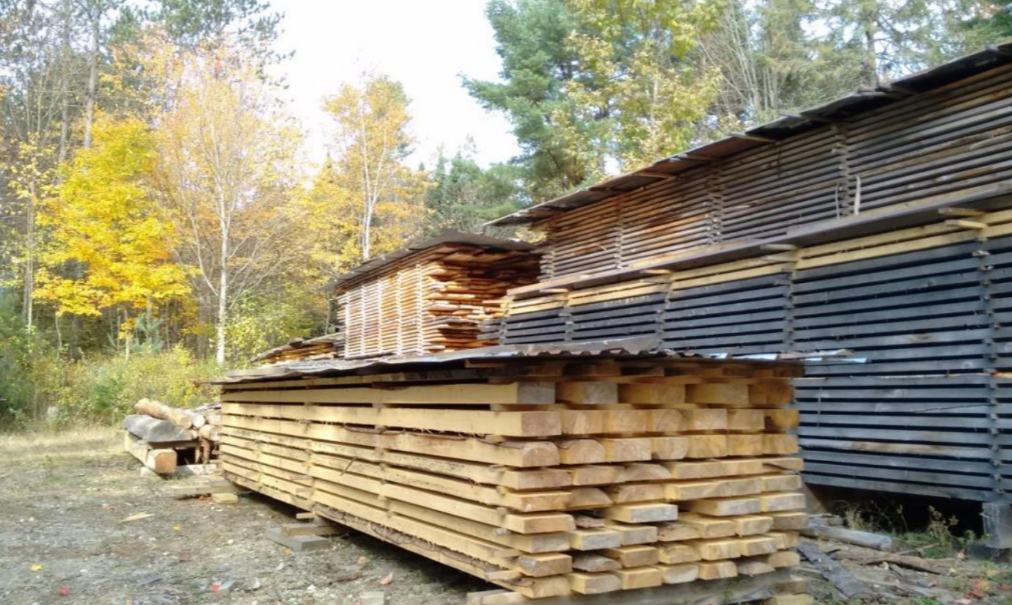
[917,141]
[330,346]
[432,297]
[546,476]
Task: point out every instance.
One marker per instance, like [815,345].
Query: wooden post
[997,524]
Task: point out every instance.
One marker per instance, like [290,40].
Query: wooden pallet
[546,477]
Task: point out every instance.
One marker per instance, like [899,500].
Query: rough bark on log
[211,432]
[182,418]
[155,430]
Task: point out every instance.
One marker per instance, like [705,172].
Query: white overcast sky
[425,45]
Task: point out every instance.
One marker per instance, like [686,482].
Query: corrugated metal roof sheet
[637,346]
[777,130]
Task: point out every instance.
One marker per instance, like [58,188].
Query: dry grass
[56,446]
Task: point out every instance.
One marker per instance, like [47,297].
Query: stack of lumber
[431,298]
[161,436]
[928,135]
[330,346]
[547,476]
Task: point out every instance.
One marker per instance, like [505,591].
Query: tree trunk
[89,106]
[219,350]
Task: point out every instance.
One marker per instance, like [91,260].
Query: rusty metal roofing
[448,236]
[777,130]
[636,346]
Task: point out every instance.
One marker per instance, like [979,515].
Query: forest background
[159,222]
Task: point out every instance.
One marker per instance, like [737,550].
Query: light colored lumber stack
[329,346]
[546,476]
[432,297]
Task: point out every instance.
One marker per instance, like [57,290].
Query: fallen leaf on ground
[363,560]
[36,567]
[137,517]
[287,552]
[387,579]
[64,592]
[176,528]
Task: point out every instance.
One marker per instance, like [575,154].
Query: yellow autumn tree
[380,197]
[111,245]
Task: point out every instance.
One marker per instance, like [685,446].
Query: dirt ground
[63,500]
[63,539]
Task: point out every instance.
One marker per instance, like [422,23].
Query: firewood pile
[546,477]
[163,437]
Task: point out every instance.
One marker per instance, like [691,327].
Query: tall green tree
[464,196]
[592,86]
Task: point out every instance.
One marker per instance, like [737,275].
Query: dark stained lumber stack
[545,476]
[432,297]
[923,308]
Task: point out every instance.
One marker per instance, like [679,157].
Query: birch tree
[372,142]
[227,170]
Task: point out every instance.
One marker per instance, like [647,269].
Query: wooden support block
[709,527]
[587,498]
[296,543]
[716,570]
[642,577]
[587,392]
[675,531]
[779,444]
[726,507]
[651,393]
[626,449]
[707,446]
[669,448]
[308,529]
[789,521]
[641,513]
[224,498]
[204,488]
[594,539]
[781,483]
[751,525]
[495,597]
[793,599]
[680,574]
[633,556]
[785,539]
[633,535]
[161,461]
[771,503]
[674,553]
[594,563]
[544,565]
[594,583]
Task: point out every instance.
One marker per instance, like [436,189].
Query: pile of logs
[159,434]
[548,477]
